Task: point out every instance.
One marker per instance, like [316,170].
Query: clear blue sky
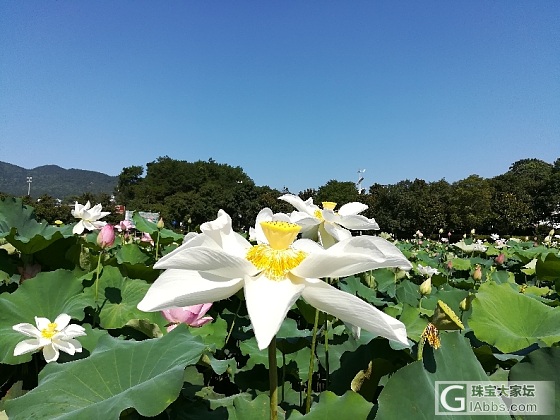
[295,92]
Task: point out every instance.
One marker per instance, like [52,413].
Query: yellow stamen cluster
[50,331]
[431,334]
[277,258]
[275,263]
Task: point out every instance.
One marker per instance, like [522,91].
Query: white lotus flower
[89,217]
[218,262]
[50,336]
[326,225]
[427,271]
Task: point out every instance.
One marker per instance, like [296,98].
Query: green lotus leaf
[334,407]
[48,294]
[118,297]
[20,228]
[146,375]
[548,269]
[510,321]
[410,391]
[461,264]
[541,365]
[166,236]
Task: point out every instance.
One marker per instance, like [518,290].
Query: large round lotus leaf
[19,227]
[348,406]
[145,375]
[510,321]
[46,295]
[410,392]
[540,365]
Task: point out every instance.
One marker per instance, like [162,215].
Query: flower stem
[311,363]
[273,379]
[157,245]
[97,276]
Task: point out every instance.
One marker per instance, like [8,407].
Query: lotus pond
[479,309]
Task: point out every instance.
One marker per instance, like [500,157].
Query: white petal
[78,228]
[50,353]
[214,261]
[65,346]
[325,238]
[358,222]
[337,232]
[62,321]
[27,346]
[268,302]
[352,256]
[304,220]
[74,330]
[221,231]
[177,288]
[300,205]
[42,323]
[308,246]
[352,208]
[27,329]
[353,310]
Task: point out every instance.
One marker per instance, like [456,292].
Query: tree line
[523,201]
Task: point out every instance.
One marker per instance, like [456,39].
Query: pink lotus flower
[147,238]
[124,226]
[190,315]
[106,236]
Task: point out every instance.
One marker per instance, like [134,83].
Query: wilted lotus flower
[29,271]
[106,237]
[50,336]
[190,315]
[89,217]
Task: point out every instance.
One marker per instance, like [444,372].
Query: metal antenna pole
[29,181]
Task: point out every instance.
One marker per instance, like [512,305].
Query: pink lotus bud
[190,315]
[500,259]
[449,264]
[106,237]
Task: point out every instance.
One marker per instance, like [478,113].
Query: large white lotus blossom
[89,217]
[50,336]
[326,225]
[218,262]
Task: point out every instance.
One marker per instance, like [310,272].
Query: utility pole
[29,181]
[360,179]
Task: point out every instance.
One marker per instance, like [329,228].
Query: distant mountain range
[54,181]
